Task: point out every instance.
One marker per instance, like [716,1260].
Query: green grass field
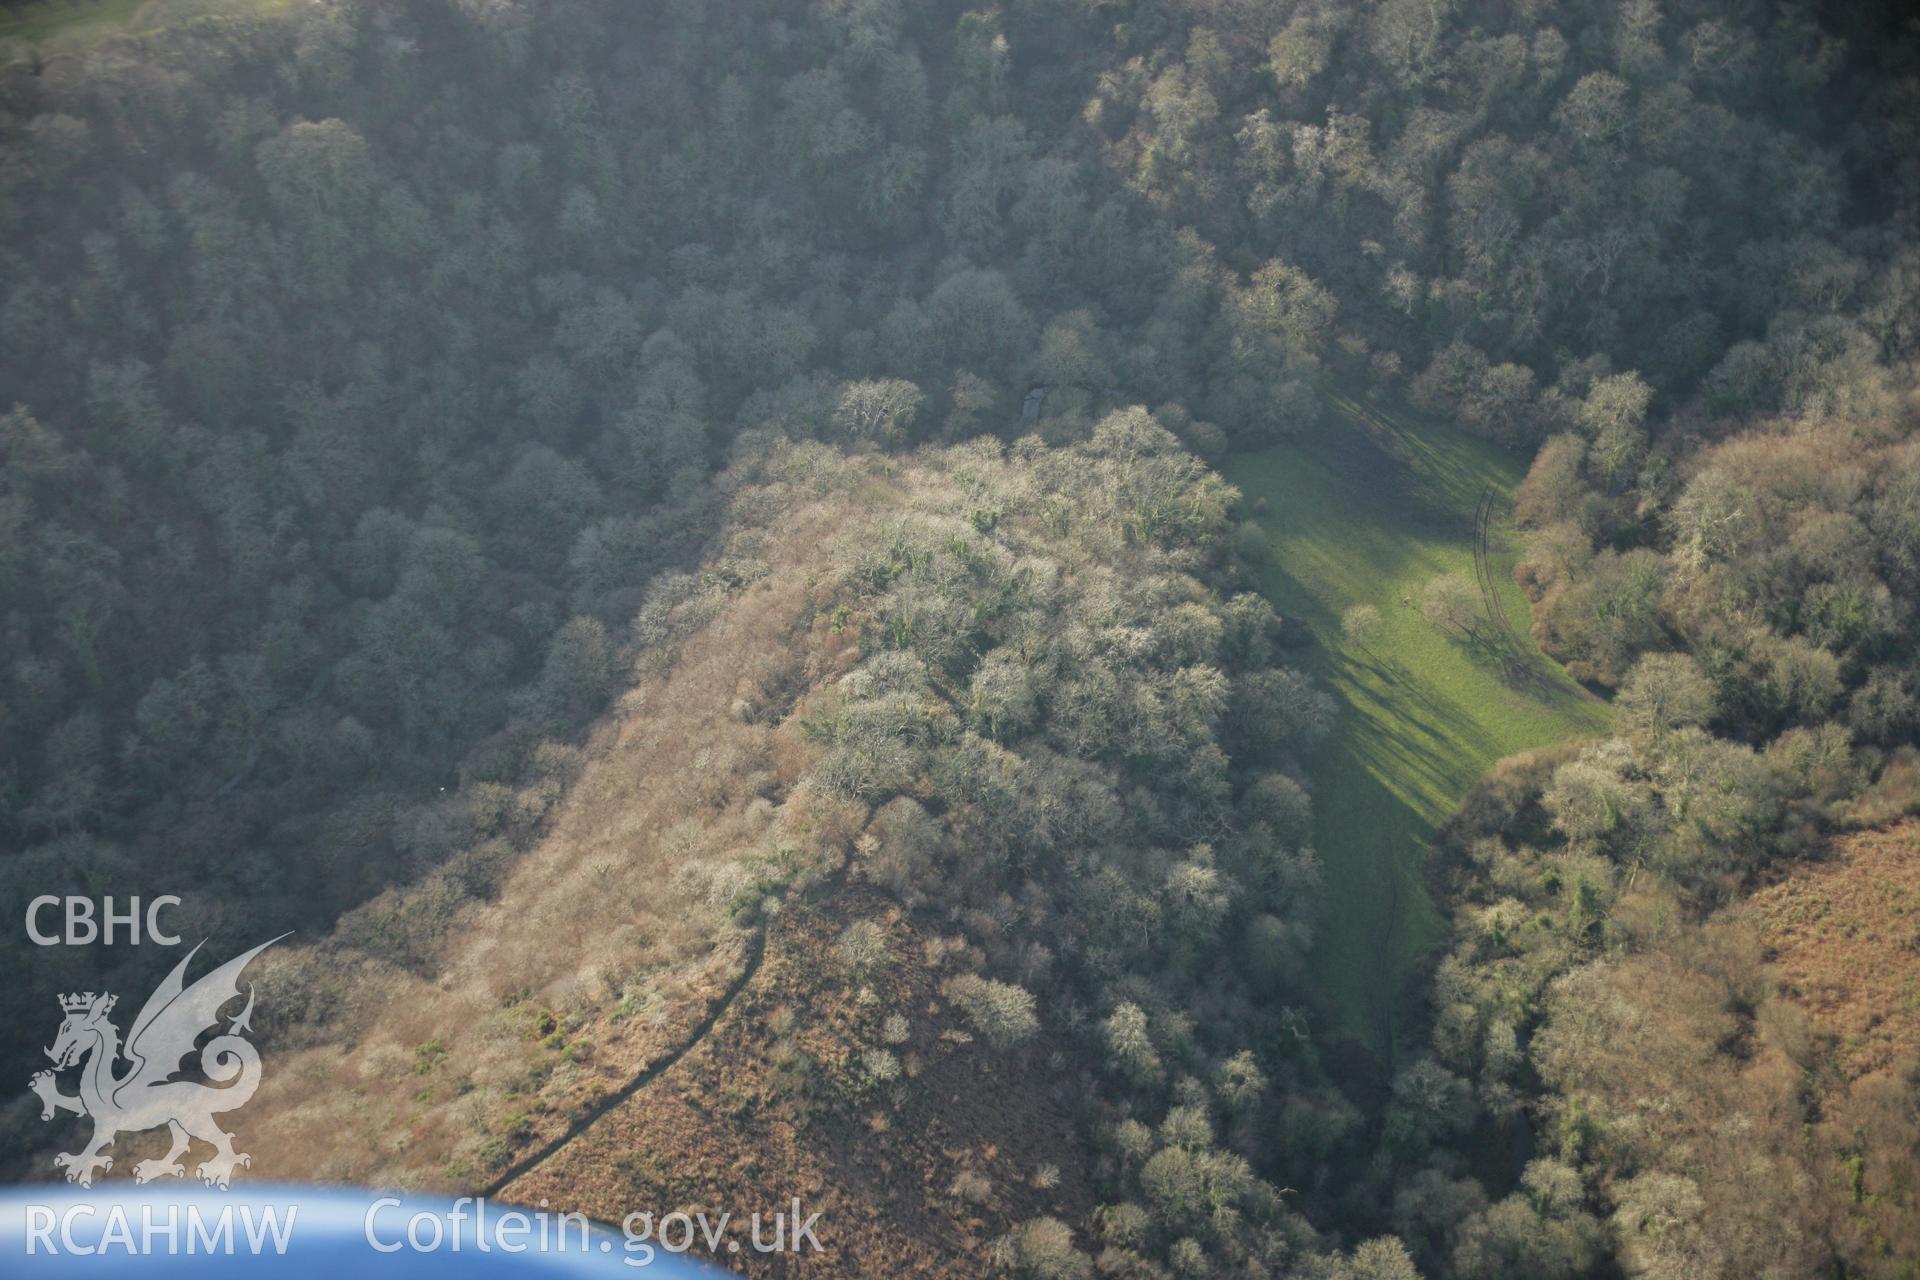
[36,20]
[41,21]
[1367,511]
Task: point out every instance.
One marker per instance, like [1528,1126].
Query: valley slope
[1367,511]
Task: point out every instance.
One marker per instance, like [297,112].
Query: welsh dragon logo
[146,1095]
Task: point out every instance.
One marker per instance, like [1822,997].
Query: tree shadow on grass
[1375,892]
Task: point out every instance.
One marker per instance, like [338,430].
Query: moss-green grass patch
[67,21]
[1367,511]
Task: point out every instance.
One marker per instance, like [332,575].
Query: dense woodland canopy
[361,366]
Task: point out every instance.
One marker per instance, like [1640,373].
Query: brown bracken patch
[781,1103]
[1844,939]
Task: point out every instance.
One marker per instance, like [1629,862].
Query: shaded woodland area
[382,382]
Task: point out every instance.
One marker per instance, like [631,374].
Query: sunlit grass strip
[1367,511]
[78,20]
